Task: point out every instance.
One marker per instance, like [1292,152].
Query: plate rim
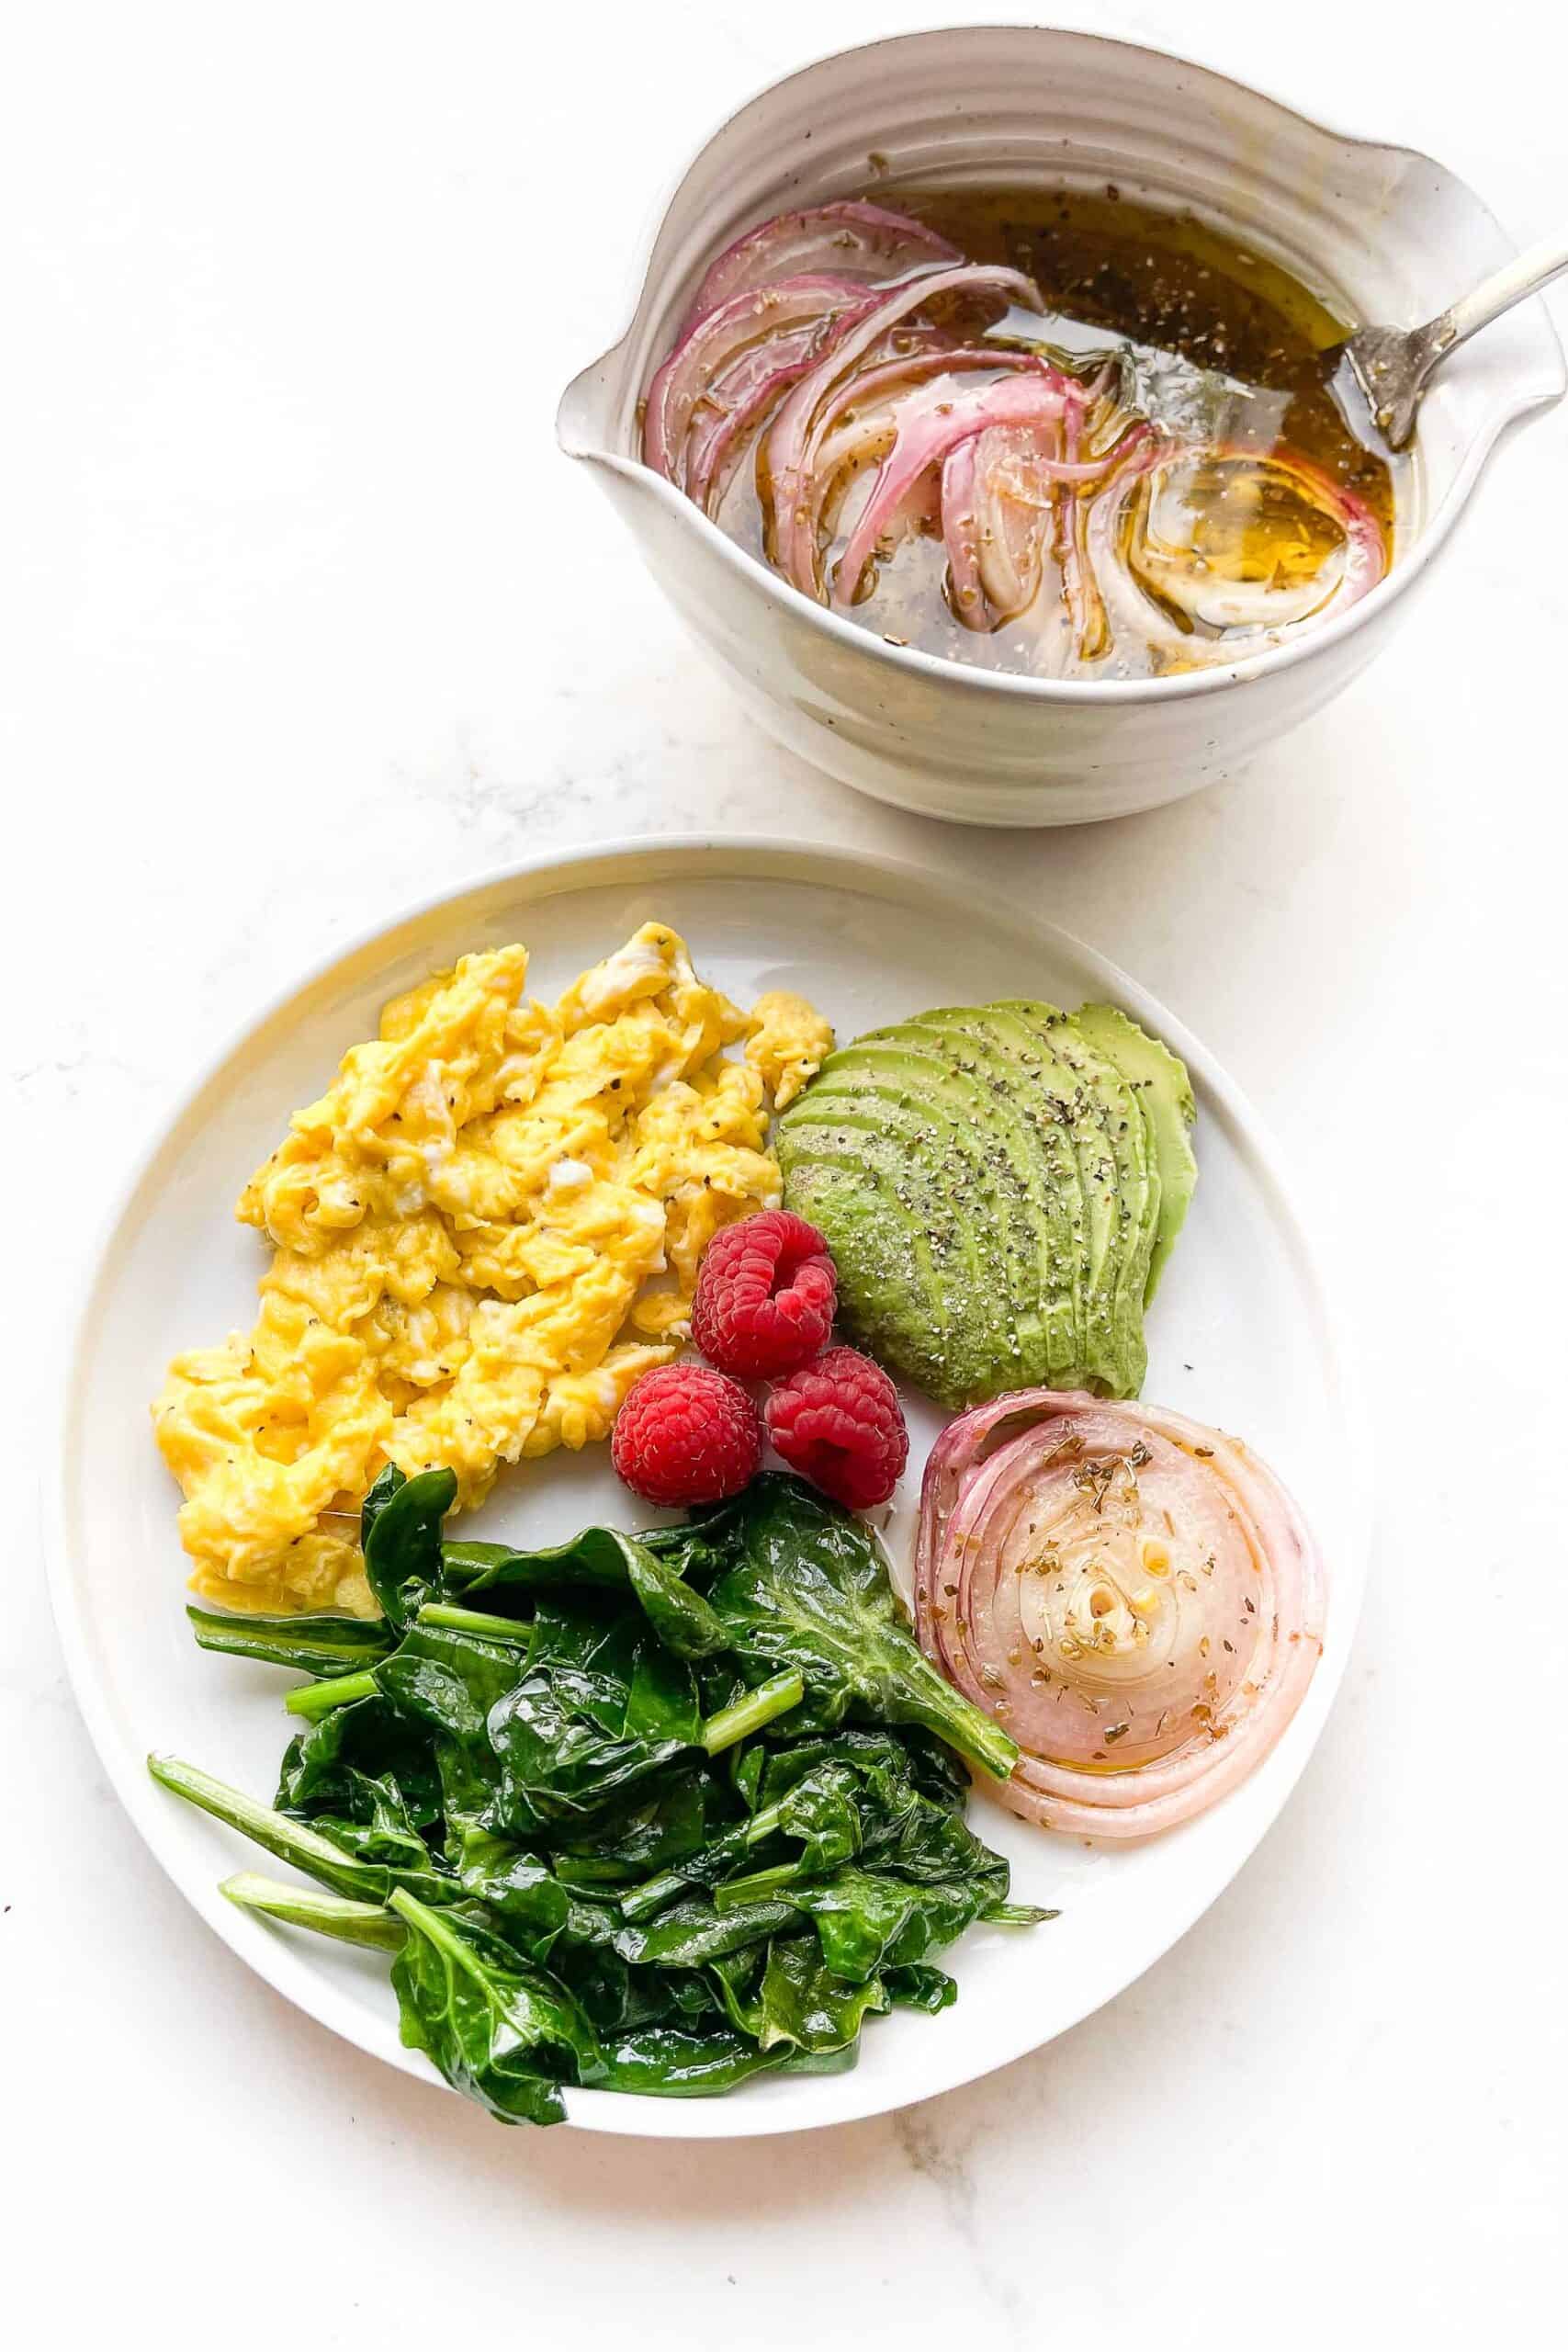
[581,866]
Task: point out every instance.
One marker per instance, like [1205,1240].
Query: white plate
[1240,1335]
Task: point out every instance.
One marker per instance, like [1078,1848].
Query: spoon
[1392,366]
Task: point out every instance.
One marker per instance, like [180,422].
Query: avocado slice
[1165,1096]
[919,1157]
[890,1282]
[1116,1168]
[998,1144]
[1016,1096]
[999,1185]
[920,1284]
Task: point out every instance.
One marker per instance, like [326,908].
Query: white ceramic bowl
[1384,233]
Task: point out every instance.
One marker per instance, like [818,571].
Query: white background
[301,616]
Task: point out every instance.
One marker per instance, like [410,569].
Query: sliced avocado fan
[1000,1186]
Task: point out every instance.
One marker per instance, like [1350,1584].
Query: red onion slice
[962,530]
[859,424]
[769,329]
[1085,605]
[1133,1596]
[1000,497]
[930,425]
[788,448]
[855,241]
[727,411]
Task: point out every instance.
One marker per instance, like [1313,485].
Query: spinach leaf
[591,1652]
[823,1812]
[819,1810]
[618,1998]
[865,1922]
[797,2001]
[670,2061]
[855,1794]
[600,1559]
[319,1645]
[662,1698]
[400,1534]
[326,1768]
[920,1988]
[380,1831]
[897,1827]
[558,1763]
[448,1681]
[470,1794]
[603,1708]
[696,1550]
[523,1892]
[809,1588]
[931,1768]
[648,1828]
[497,2029]
[694,1931]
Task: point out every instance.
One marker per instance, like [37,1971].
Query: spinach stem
[418,1915]
[330,1915]
[757,1884]
[759,1707]
[474,1620]
[313,1699]
[291,1841]
[775,1697]
[642,1902]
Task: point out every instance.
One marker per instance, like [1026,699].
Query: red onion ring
[1364,564]
[850,239]
[1133,1596]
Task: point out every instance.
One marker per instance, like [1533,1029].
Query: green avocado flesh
[1000,1186]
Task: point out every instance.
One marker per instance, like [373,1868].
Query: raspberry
[838,1422]
[765,1295]
[686,1435]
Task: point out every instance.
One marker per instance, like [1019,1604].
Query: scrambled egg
[789,1043]
[485,1229]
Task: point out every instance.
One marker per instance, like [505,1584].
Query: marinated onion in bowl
[929,427]
[1133,1596]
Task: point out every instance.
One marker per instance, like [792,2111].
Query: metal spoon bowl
[1392,367]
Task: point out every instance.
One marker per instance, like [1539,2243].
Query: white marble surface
[303,616]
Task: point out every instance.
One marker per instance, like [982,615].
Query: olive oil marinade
[1218,348]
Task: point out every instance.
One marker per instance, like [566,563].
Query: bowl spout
[587,417]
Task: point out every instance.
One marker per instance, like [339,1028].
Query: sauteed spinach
[648,1814]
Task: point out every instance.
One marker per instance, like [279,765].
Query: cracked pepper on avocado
[656,1812]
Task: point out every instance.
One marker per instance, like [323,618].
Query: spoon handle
[1525,274]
